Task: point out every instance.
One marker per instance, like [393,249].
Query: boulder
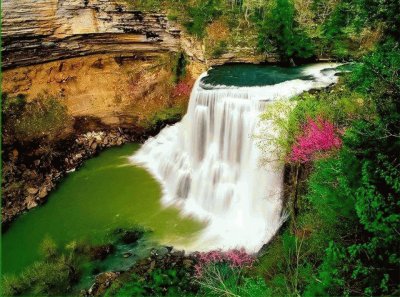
[15,153]
[131,236]
[101,252]
[32,191]
[102,282]
[30,202]
[43,193]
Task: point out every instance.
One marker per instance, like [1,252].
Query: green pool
[106,193]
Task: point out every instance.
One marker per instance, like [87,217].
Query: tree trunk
[294,199]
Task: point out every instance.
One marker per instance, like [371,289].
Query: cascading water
[209,164]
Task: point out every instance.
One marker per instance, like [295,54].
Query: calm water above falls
[209,164]
[106,193]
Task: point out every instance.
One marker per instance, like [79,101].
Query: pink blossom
[182,89]
[234,258]
[319,137]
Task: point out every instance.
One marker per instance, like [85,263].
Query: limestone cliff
[37,31]
[101,58]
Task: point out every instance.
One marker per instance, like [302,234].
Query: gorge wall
[47,30]
[101,58]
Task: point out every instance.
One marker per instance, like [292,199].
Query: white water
[209,164]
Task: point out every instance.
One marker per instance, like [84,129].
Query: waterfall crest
[209,165]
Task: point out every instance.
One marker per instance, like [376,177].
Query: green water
[250,75]
[106,193]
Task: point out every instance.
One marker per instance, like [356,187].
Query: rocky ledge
[38,31]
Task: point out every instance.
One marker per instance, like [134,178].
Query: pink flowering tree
[234,258]
[319,138]
[183,88]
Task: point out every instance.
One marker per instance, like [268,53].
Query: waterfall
[209,165]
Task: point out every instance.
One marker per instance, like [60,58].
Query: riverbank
[108,213]
[31,172]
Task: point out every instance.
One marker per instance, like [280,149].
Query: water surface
[106,193]
[250,75]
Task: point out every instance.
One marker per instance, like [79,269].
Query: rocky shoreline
[31,172]
[161,259]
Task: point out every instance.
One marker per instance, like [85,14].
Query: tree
[319,138]
[280,30]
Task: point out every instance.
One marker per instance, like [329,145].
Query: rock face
[38,31]
[100,57]
[26,184]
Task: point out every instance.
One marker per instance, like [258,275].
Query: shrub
[157,282]
[165,116]
[52,276]
[43,117]
[219,49]
[217,38]
[221,279]
[280,29]
[183,88]
[201,14]
[320,137]
[234,258]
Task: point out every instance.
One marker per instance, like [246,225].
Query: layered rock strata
[38,31]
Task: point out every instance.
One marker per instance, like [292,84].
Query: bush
[52,276]
[280,30]
[340,107]
[44,117]
[158,282]
[319,138]
[219,49]
[233,258]
[201,14]
[221,279]
[165,116]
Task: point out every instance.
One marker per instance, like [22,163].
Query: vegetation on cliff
[342,236]
[294,29]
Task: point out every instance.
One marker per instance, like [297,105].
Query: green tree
[280,30]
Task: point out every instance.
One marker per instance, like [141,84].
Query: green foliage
[219,279]
[12,106]
[362,257]
[51,277]
[201,14]
[166,116]
[48,249]
[349,218]
[280,30]
[179,67]
[168,282]
[219,50]
[295,29]
[44,117]
[148,5]
[378,78]
[356,194]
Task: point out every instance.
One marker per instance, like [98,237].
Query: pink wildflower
[182,89]
[319,136]
[234,258]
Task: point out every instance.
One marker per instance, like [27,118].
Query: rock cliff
[100,57]
[38,31]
